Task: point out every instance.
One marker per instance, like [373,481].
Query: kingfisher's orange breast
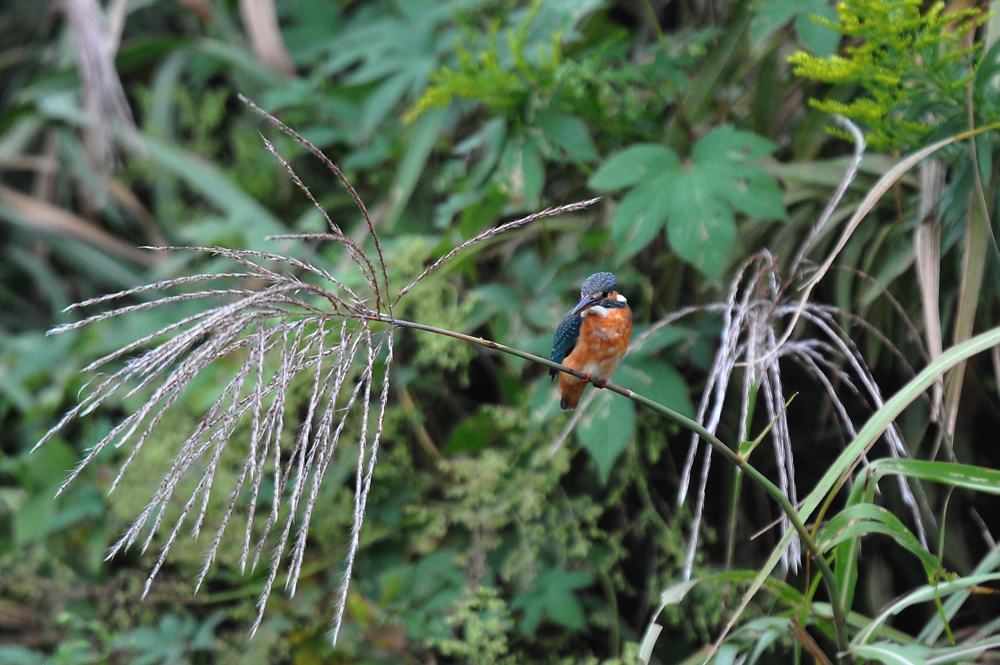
[604,337]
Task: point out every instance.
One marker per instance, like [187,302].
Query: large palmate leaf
[697,201]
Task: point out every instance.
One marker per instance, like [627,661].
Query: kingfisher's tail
[570,389]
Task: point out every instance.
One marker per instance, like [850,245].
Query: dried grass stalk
[299,328]
[96,41]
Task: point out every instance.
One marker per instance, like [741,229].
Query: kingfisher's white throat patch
[599,310]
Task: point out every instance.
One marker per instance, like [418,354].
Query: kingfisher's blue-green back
[565,339]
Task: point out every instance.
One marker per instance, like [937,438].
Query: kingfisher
[592,337]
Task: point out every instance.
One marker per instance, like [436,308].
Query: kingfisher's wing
[565,339]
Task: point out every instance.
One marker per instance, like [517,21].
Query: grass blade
[867,436]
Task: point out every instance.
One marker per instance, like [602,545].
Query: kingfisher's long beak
[586,302]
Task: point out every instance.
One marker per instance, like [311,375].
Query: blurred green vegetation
[480,544]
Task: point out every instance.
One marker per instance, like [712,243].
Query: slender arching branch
[829,580]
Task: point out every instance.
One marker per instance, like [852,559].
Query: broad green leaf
[964,653]
[815,36]
[433,584]
[662,338]
[633,165]
[241,59]
[723,154]
[555,17]
[606,429]
[382,101]
[522,170]
[483,150]
[569,134]
[701,199]
[657,381]
[306,28]
[640,216]
[966,476]
[771,15]
[32,519]
[700,224]
[553,596]
[424,133]
[757,195]
[533,170]
[208,180]
[565,610]
[860,520]
[53,460]
[726,145]
[697,202]
[891,654]
[476,432]
[922,594]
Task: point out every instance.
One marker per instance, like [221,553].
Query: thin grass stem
[829,579]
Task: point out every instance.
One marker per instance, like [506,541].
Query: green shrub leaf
[553,597]
[640,216]
[700,224]
[632,165]
[657,381]
[696,202]
[605,429]
[568,134]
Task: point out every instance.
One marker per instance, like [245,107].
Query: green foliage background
[479,545]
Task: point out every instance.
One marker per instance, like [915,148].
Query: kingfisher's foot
[599,383]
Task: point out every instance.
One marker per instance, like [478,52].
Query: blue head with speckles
[595,289]
[600,283]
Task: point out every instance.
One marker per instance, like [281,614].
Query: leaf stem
[830,581]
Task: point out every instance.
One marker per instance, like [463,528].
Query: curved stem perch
[829,580]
